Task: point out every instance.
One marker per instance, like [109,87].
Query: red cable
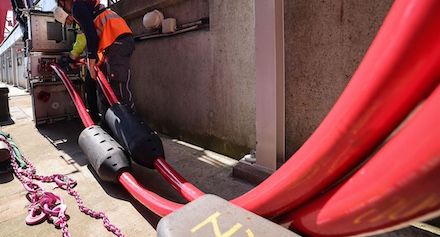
[400,69]
[155,203]
[105,86]
[152,201]
[82,111]
[399,184]
[186,189]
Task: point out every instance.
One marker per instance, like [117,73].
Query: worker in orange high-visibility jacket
[108,35]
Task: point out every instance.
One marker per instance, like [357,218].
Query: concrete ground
[53,149]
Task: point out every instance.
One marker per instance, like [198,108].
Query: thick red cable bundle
[399,184]
[400,69]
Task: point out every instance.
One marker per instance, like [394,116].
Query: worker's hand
[66,63]
[91,65]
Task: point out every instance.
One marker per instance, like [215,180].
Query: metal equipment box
[48,42]
[48,35]
[52,102]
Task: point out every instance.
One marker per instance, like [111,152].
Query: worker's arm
[81,12]
[91,65]
[68,62]
[78,47]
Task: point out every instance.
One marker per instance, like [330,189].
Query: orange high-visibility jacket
[109,25]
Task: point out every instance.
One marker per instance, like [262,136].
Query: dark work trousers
[91,97]
[117,70]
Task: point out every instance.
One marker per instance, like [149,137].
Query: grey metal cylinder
[106,156]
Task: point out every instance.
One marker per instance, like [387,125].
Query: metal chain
[97,215]
[26,177]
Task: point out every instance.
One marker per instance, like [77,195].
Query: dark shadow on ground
[148,179]
[64,136]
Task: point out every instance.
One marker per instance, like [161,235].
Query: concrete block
[214,216]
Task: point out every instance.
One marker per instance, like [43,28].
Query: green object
[16,152]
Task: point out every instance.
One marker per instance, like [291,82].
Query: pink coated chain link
[48,205]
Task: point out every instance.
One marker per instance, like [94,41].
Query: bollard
[5,117]
[4,151]
[5,164]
